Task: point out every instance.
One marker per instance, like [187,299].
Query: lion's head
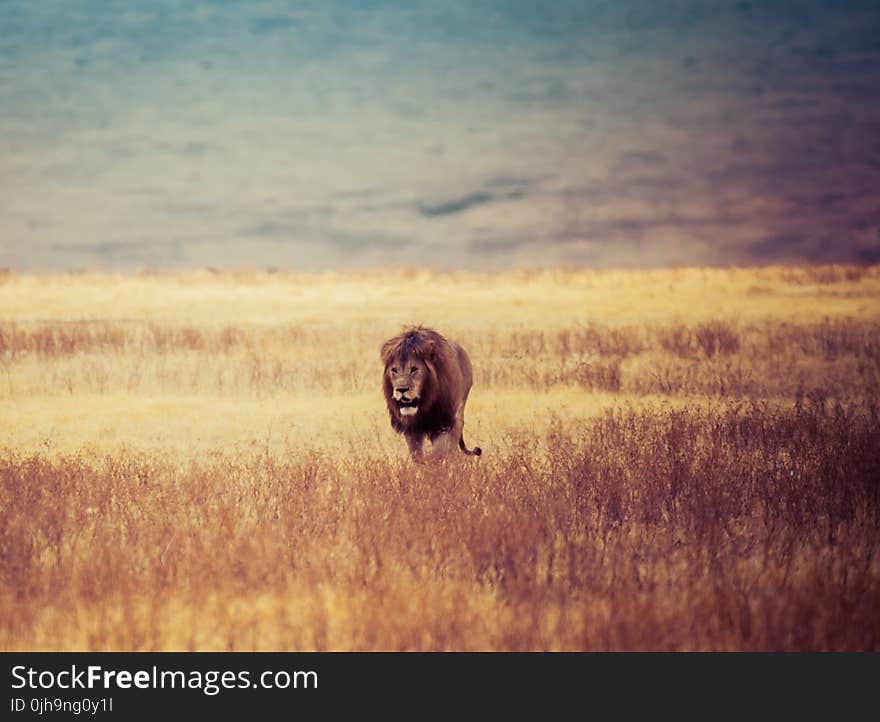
[407,378]
[413,367]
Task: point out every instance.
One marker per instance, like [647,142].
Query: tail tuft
[461,445]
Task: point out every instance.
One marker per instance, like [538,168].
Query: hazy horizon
[490,135]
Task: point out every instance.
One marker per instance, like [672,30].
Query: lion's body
[426,383]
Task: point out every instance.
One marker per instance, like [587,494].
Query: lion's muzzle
[407,407]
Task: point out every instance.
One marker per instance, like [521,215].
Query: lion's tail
[461,445]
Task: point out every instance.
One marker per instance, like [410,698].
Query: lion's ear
[386,350]
[430,351]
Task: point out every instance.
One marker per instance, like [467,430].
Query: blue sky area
[477,135]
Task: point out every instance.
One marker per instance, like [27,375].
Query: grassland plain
[673,459]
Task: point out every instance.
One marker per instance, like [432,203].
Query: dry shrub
[599,375]
[740,529]
[717,358]
[747,518]
[829,339]
[823,275]
[717,338]
[677,340]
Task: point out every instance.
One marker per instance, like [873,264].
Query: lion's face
[407,378]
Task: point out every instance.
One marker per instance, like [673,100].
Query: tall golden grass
[680,459]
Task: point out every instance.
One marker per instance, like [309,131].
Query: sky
[474,135]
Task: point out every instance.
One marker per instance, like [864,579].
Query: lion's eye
[414,370]
[395,370]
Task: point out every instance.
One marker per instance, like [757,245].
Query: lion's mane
[442,390]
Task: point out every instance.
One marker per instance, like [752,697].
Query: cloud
[342,239]
[125,253]
[267,25]
[574,130]
[778,246]
[497,189]
[868,255]
[640,160]
[458,205]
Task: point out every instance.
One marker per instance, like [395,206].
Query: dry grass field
[675,459]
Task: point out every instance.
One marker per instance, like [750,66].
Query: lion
[426,382]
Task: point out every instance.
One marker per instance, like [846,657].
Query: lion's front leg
[414,442]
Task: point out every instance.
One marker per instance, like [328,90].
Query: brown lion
[426,383]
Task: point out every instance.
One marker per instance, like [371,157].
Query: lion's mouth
[407,407]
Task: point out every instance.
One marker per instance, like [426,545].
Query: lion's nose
[402,391]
